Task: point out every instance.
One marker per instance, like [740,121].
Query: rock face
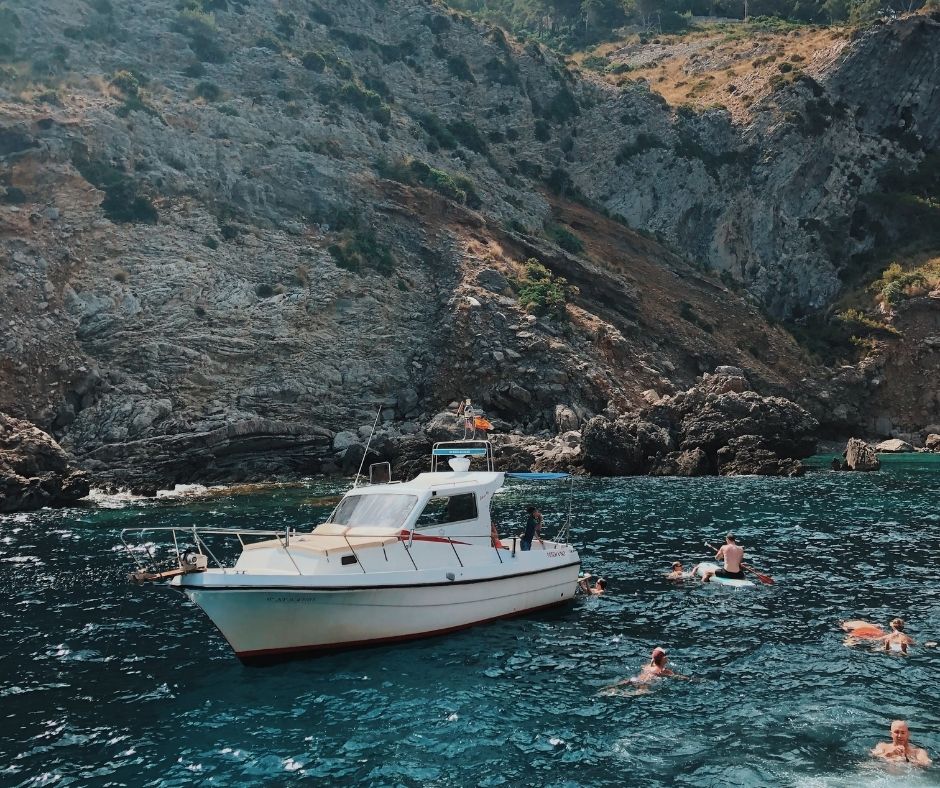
[859,456]
[34,470]
[720,426]
[230,236]
[933,442]
[893,446]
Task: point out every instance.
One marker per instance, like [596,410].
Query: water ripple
[107,683]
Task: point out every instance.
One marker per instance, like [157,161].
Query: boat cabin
[452,504]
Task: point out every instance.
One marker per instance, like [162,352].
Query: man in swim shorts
[900,747]
[732,554]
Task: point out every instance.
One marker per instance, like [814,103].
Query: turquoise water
[104,683]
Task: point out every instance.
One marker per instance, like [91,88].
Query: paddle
[765,579]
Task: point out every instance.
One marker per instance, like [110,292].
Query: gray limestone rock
[859,456]
[34,470]
[893,446]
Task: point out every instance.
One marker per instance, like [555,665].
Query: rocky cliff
[231,230]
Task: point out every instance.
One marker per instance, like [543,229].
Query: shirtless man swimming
[732,554]
[900,747]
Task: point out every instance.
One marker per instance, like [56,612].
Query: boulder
[343,440]
[565,419]
[445,426]
[893,446]
[932,443]
[34,470]
[859,456]
[693,462]
[492,280]
[609,448]
[748,455]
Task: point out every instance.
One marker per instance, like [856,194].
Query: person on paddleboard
[733,555]
[900,747]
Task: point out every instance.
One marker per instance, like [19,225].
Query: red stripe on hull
[268,655]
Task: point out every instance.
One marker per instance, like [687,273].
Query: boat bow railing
[194,553]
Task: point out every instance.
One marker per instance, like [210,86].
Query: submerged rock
[34,470]
[859,456]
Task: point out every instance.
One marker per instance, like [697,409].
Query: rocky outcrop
[859,456]
[275,221]
[932,443]
[246,450]
[719,426]
[893,446]
[34,470]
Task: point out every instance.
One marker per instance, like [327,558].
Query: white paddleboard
[723,581]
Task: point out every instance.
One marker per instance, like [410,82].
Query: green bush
[10,26]
[358,249]
[126,82]
[543,130]
[436,130]
[122,201]
[643,142]
[313,61]
[562,106]
[460,68]
[208,91]
[540,292]
[320,15]
[895,282]
[201,31]
[467,135]
[566,239]
[418,173]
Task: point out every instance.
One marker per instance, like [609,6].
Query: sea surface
[107,683]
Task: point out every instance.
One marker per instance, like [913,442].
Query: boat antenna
[368,444]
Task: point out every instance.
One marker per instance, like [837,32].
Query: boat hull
[283,619]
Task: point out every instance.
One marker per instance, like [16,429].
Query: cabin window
[379,511]
[448,509]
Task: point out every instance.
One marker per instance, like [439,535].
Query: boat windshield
[385,510]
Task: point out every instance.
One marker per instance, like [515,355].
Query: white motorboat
[394,561]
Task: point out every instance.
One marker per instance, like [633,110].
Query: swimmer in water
[599,587]
[896,639]
[900,747]
[679,573]
[654,669]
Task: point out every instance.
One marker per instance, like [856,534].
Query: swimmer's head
[677,565]
[530,509]
[602,584]
[898,624]
[900,733]
[658,657]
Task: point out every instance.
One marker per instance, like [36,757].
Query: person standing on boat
[733,554]
[533,528]
[900,747]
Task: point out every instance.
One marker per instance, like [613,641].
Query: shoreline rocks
[34,470]
[719,426]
